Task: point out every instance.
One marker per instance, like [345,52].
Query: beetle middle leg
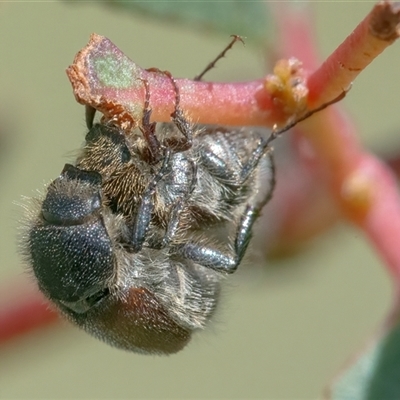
[216,259]
[228,261]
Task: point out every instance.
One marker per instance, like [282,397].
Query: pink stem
[373,35]
[20,315]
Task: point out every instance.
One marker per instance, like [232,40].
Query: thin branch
[379,29]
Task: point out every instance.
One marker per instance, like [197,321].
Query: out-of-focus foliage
[241,17]
[376,374]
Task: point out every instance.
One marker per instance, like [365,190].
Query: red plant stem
[364,188]
[394,163]
[116,87]
[221,103]
[373,35]
[107,80]
[296,33]
[382,224]
[21,315]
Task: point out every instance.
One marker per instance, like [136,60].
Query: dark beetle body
[133,249]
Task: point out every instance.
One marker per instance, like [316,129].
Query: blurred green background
[283,331]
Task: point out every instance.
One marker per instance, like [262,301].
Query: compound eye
[85,304]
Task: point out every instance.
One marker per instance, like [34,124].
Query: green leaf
[245,18]
[376,374]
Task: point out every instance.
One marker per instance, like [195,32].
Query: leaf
[244,18]
[376,374]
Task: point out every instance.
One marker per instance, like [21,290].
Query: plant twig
[374,34]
